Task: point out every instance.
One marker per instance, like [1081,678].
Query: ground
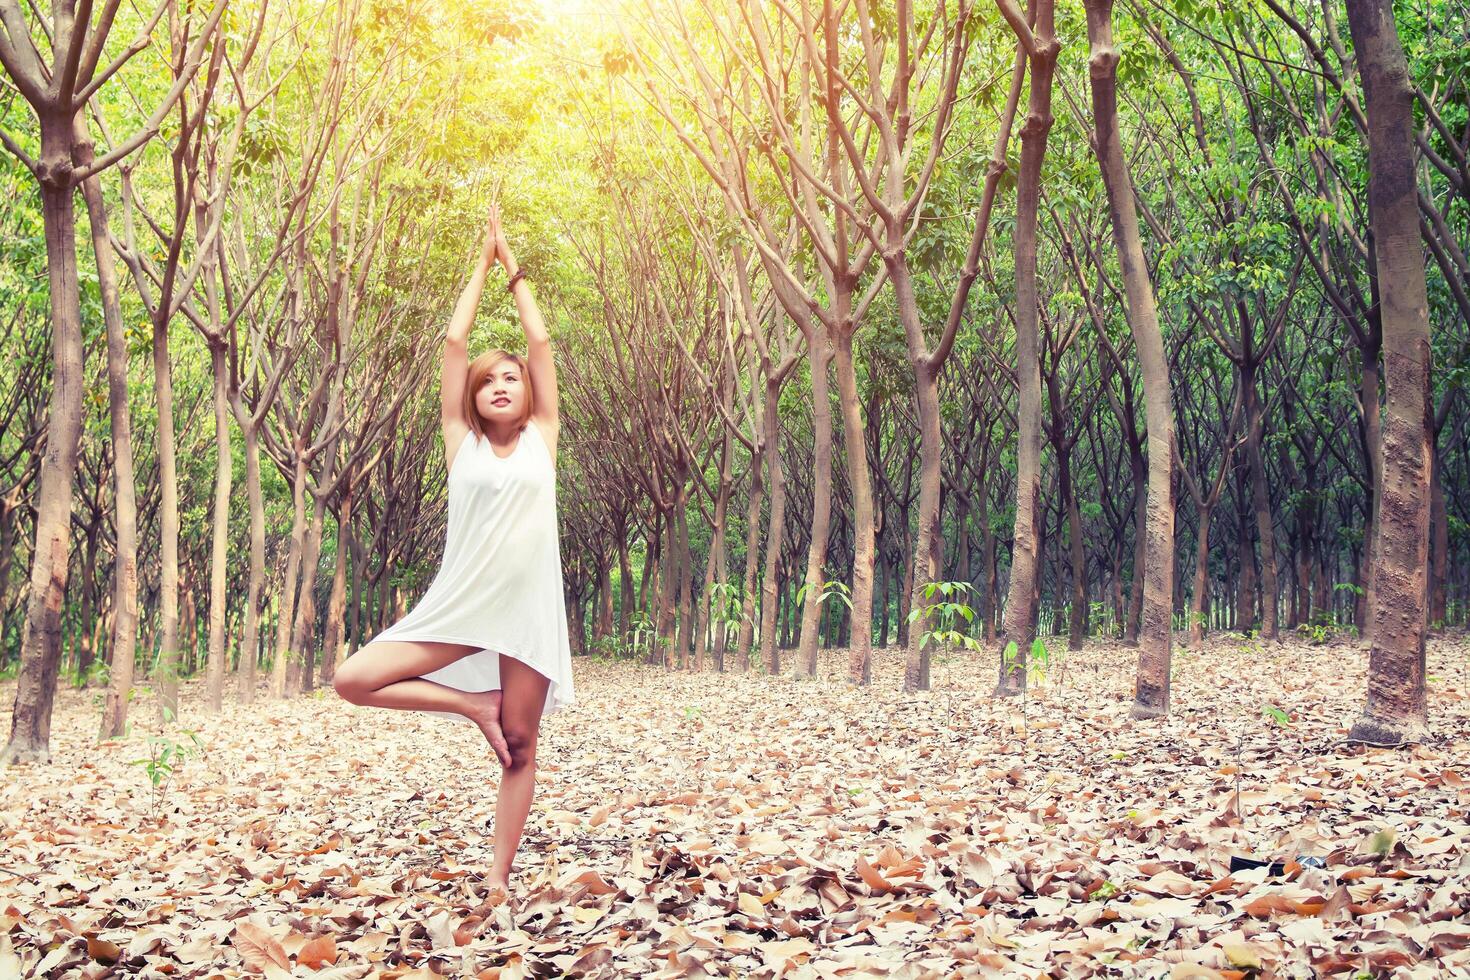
[739,825]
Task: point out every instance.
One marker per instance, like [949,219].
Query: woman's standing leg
[387,674]
[524,690]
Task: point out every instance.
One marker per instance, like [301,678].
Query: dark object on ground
[1238,863]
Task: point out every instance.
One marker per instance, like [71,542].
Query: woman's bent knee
[348,686]
[522,748]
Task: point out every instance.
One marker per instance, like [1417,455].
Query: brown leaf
[260,949]
[319,952]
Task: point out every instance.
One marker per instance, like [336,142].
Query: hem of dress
[559,699]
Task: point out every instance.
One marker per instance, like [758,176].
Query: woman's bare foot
[486,714]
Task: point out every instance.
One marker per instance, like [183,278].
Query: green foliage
[165,756]
[943,617]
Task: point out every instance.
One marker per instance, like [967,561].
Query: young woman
[488,640]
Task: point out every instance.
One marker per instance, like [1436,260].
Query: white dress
[500,585]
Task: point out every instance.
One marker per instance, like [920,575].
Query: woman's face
[502,396]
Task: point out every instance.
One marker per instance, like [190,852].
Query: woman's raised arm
[538,341]
[456,363]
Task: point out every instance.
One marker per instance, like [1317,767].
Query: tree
[1396,710]
[57,92]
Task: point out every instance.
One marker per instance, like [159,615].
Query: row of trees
[852,300]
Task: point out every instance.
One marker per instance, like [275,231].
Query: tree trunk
[1140,545]
[40,652]
[928,540]
[1077,624]
[166,671]
[860,653]
[1396,709]
[1151,690]
[334,649]
[1018,631]
[881,590]
[303,633]
[249,642]
[1200,601]
[286,605]
[625,587]
[746,637]
[686,582]
[1439,547]
[219,536]
[770,597]
[1261,504]
[820,357]
[1245,595]
[1368,389]
[125,501]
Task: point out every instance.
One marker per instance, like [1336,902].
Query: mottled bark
[819,355]
[860,651]
[286,602]
[1020,610]
[40,651]
[214,685]
[1261,504]
[775,531]
[125,500]
[1396,709]
[1151,690]
[166,671]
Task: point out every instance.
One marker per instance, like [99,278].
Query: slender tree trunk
[85,645]
[1077,626]
[1245,595]
[1368,389]
[1151,690]
[1261,503]
[820,357]
[747,620]
[775,533]
[860,653]
[303,634]
[1020,613]
[987,569]
[905,592]
[668,594]
[605,599]
[1140,545]
[1396,709]
[286,606]
[686,582]
[125,503]
[334,650]
[927,539]
[9,519]
[625,587]
[881,591]
[1200,601]
[219,535]
[40,652]
[249,642]
[166,672]
[1439,547]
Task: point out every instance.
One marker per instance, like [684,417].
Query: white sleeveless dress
[500,585]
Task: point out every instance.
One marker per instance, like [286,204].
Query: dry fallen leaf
[787,827]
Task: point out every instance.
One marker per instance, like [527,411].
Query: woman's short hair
[480,368]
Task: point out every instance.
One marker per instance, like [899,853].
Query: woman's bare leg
[520,718]
[386,674]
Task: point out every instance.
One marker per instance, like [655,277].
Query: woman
[488,640]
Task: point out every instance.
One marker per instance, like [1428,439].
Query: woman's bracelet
[518,275]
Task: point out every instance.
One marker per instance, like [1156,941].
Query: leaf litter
[741,825]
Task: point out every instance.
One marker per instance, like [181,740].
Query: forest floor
[692,824]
